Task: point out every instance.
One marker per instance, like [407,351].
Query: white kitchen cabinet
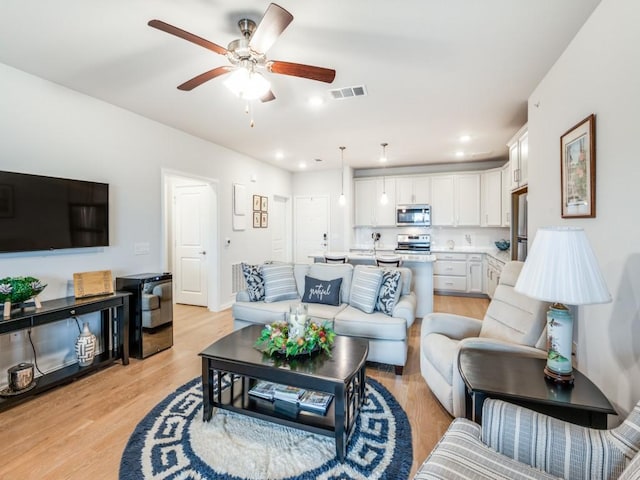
[368,209]
[494,270]
[506,196]
[455,199]
[413,189]
[519,158]
[450,272]
[475,276]
[442,200]
[492,198]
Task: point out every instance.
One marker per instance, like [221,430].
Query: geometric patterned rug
[172,442]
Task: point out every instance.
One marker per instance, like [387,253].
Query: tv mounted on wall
[47,213]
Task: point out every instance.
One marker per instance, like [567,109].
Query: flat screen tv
[47,213]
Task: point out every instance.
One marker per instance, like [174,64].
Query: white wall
[598,73]
[49,130]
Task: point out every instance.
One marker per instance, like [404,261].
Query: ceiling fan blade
[273,23]
[267,97]
[204,77]
[299,70]
[190,37]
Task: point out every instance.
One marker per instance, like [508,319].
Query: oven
[416,243]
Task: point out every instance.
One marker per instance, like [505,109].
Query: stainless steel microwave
[413,215]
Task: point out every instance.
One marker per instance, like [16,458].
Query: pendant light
[384,199]
[342,199]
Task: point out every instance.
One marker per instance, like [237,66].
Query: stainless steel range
[417,243]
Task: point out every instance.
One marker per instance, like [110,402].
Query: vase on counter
[86,346]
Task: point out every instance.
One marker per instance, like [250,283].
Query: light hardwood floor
[78,431]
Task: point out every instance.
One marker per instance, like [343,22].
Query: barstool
[335,258]
[389,261]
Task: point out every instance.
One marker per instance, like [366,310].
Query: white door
[311,227]
[278,227]
[191,230]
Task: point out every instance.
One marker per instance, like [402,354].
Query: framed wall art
[263,219]
[264,204]
[256,202]
[256,219]
[578,169]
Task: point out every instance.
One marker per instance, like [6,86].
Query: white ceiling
[433,70]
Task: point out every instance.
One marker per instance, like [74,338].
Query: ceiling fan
[247,56]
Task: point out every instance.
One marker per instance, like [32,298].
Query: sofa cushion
[328,271]
[260,312]
[279,283]
[322,291]
[254,280]
[377,325]
[364,287]
[389,291]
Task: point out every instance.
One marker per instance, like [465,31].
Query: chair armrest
[555,446]
[501,345]
[242,296]
[450,325]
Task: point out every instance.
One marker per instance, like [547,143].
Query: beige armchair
[513,322]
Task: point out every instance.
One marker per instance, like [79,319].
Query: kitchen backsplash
[471,236]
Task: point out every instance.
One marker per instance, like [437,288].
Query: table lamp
[561,268]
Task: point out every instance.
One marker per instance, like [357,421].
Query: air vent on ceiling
[348,92]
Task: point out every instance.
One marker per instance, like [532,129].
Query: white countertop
[406,257]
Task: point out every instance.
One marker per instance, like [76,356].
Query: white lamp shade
[562,268]
[247,85]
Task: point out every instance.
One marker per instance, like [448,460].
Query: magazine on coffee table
[317,402]
[263,389]
[288,393]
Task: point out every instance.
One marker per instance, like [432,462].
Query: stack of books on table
[309,400]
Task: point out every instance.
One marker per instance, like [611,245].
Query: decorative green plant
[19,289]
[274,338]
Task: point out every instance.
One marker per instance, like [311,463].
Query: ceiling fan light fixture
[247,84]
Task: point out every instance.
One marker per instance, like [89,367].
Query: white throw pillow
[365,287]
[279,283]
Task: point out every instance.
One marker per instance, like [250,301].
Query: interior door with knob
[191,229]
[311,227]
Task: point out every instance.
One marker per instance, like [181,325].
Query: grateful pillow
[326,292]
[364,288]
[279,283]
[389,291]
[255,282]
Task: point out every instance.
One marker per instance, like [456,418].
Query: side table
[519,379]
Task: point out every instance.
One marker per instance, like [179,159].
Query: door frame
[288,224]
[168,178]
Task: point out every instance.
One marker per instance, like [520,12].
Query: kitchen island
[420,264]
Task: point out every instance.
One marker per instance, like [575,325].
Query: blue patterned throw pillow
[326,292]
[255,282]
[389,292]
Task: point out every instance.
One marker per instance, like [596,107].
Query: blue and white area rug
[172,442]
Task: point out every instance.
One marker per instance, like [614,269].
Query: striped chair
[518,443]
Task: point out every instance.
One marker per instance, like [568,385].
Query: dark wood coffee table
[519,379]
[235,360]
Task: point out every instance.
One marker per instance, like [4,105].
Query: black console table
[114,311]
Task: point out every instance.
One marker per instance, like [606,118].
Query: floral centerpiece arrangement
[275,338]
[19,289]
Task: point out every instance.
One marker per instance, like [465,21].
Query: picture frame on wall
[257,202]
[264,204]
[578,170]
[263,219]
[256,219]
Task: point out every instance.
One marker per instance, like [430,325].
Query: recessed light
[279,155]
[464,138]
[302,165]
[316,101]
[459,154]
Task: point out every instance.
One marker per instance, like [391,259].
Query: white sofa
[513,323]
[387,335]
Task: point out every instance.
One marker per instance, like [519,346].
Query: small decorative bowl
[503,244]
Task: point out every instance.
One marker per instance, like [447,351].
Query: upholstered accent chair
[517,443]
[513,323]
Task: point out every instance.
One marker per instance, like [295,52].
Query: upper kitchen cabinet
[506,195]
[455,199]
[519,158]
[413,189]
[369,210]
[492,198]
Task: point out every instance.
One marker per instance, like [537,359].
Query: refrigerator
[520,203]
